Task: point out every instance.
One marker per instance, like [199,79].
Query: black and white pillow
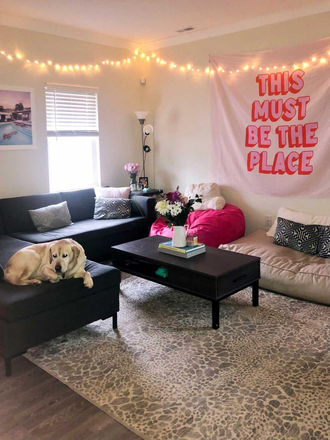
[324,243]
[106,209]
[303,238]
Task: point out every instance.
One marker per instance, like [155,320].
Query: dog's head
[62,254]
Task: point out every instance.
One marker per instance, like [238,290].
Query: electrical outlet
[268,221]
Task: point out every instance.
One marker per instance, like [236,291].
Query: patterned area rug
[166,375]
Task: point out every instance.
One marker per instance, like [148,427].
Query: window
[73,137]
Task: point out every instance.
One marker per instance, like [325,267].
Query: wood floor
[35,406]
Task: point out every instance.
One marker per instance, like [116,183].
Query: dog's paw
[88,282]
[31,282]
[55,280]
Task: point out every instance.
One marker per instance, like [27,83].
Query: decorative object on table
[182,252]
[192,238]
[17,118]
[144,181]
[174,208]
[145,132]
[133,170]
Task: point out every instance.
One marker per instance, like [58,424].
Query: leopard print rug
[166,375]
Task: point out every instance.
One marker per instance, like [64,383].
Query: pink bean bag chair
[214,227]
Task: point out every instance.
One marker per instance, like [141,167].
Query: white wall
[24,172]
[181,111]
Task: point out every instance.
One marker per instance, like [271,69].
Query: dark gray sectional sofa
[30,315]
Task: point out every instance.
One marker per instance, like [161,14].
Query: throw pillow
[51,217]
[106,208]
[324,243]
[299,217]
[113,193]
[303,238]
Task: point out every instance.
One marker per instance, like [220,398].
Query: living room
[132,57]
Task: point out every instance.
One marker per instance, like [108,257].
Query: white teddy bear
[210,194]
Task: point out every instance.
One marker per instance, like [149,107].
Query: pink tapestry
[271,121]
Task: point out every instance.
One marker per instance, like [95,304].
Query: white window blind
[71,111]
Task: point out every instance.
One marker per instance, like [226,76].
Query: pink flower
[132,168]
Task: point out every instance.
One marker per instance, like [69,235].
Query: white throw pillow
[298,217]
[112,192]
[210,194]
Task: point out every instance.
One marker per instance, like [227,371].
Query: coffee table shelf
[214,275]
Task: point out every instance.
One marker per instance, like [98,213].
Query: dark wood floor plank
[36,406]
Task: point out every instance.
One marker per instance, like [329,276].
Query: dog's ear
[75,252]
[50,255]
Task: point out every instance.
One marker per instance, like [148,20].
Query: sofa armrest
[143,206]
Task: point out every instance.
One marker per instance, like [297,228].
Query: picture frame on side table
[17,118]
[144,182]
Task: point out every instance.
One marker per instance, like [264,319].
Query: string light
[19,57]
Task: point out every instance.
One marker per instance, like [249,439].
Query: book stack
[183,252]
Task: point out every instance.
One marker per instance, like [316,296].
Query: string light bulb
[9,57]
[49,62]
[57,66]
[313,59]
[19,56]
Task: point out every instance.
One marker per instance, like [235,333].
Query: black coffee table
[214,275]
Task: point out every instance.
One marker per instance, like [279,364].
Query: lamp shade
[148,129]
[141,114]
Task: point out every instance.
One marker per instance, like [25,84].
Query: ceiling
[153,22]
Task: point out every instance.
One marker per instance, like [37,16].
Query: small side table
[150,193]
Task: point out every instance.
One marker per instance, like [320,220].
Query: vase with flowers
[175,208]
[133,170]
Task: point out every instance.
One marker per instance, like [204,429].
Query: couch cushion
[285,270]
[324,243]
[80,203]
[85,230]
[8,246]
[303,238]
[106,209]
[15,211]
[17,302]
[51,217]
[1,227]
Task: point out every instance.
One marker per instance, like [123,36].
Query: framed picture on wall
[17,118]
[144,181]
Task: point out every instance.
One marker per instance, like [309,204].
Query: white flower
[175,209]
[162,207]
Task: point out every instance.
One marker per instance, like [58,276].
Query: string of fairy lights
[187,68]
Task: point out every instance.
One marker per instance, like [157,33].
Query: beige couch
[285,270]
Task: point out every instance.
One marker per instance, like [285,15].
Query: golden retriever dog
[52,262]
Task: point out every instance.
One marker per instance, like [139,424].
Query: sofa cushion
[324,243]
[113,192]
[85,230]
[17,302]
[106,209]
[15,211]
[8,247]
[80,203]
[51,217]
[1,227]
[299,217]
[285,270]
[303,238]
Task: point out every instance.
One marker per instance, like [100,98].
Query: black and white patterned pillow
[303,238]
[106,209]
[324,243]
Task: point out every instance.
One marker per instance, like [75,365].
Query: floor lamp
[145,132]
